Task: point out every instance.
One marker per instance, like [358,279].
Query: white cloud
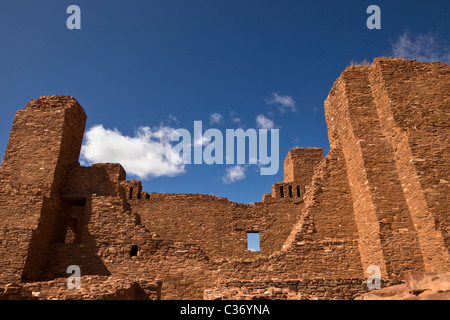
[215,118]
[147,154]
[284,103]
[234,174]
[423,47]
[264,123]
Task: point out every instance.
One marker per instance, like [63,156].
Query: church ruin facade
[378,198]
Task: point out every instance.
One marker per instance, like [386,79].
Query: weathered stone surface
[418,286]
[92,288]
[419,281]
[380,197]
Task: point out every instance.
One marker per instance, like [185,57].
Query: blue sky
[162,65]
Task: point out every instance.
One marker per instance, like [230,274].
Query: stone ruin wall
[379,197]
[391,121]
[44,143]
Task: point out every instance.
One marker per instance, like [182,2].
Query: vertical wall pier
[44,143]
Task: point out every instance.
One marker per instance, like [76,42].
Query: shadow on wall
[73,244]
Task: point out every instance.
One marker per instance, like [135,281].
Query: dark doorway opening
[134,251]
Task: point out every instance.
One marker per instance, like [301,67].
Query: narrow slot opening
[134,251]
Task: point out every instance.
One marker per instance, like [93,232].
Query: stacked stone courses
[378,198]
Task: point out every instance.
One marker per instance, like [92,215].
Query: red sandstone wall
[220,226]
[368,178]
[101,179]
[388,239]
[322,244]
[108,234]
[44,143]
[300,164]
[392,229]
[412,102]
[92,288]
[290,289]
[217,225]
[379,197]
[186,258]
[327,231]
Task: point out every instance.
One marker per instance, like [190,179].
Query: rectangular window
[290,192]
[73,210]
[281,192]
[134,251]
[253,241]
[298,191]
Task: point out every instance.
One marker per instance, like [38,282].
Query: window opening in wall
[298,191]
[70,220]
[139,196]
[281,192]
[134,251]
[253,241]
[290,191]
[131,193]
